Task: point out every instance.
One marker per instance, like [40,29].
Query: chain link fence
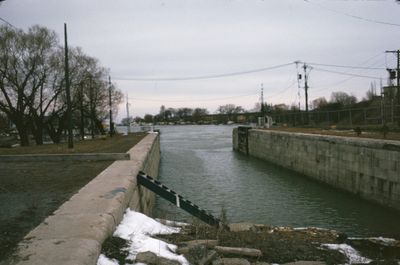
[373,116]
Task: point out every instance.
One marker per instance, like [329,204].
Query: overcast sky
[144,39]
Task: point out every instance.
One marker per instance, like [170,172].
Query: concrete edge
[75,232]
[390,145]
[65,157]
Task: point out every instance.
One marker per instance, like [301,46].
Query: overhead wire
[205,76]
[294,81]
[352,77]
[353,16]
[346,66]
[344,73]
[191,100]
[8,23]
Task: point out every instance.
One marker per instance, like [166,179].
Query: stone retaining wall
[367,167]
[75,232]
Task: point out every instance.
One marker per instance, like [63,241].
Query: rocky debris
[249,252]
[301,262]
[377,247]
[241,227]
[152,259]
[212,255]
[200,255]
[185,246]
[231,261]
[281,245]
[209,243]
[260,263]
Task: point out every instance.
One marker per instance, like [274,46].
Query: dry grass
[116,144]
[30,191]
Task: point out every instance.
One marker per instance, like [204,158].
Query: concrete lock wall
[75,232]
[367,167]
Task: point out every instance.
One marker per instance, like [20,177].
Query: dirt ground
[284,244]
[30,191]
[335,132]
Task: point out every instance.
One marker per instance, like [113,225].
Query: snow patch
[137,229]
[135,223]
[103,260]
[385,241]
[171,223]
[349,252]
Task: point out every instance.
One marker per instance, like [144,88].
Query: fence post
[351,119]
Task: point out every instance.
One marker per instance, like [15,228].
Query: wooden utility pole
[398,84]
[110,101]
[91,105]
[127,114]
[305,66]
[67,90]
[82,125]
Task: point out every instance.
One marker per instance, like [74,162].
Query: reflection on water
[199,163]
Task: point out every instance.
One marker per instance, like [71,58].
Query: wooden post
[67,90]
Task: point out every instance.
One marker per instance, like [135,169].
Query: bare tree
[343,98]
[23,73]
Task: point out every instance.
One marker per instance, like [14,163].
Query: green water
[199,163]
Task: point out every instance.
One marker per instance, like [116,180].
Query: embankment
[75,232]
[367,167]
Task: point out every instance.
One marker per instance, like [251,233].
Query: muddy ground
[30,191]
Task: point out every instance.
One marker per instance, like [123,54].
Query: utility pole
[262,101]
[127,114]
[82,125]
[109,98]
[91,105]
[305,66]
[398,84]
[68,94]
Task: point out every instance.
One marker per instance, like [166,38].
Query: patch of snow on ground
[137,228]
[103,260]
[349,252]
[138,223]
[385,241]
[171,223]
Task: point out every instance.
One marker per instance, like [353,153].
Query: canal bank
[74,233]
[199,163]
[368,168]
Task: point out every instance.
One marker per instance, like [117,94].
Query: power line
[284,90]
[194,100]
[347,66]
[8,23]
[344,73]
[352,77]
[206,76]
[354,16]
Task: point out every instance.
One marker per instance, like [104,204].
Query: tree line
[338,100]
[32,86]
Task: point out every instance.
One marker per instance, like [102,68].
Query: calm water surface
[199,163]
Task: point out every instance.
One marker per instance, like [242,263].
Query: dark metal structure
[171,196]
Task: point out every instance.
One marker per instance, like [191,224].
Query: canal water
[198,162]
